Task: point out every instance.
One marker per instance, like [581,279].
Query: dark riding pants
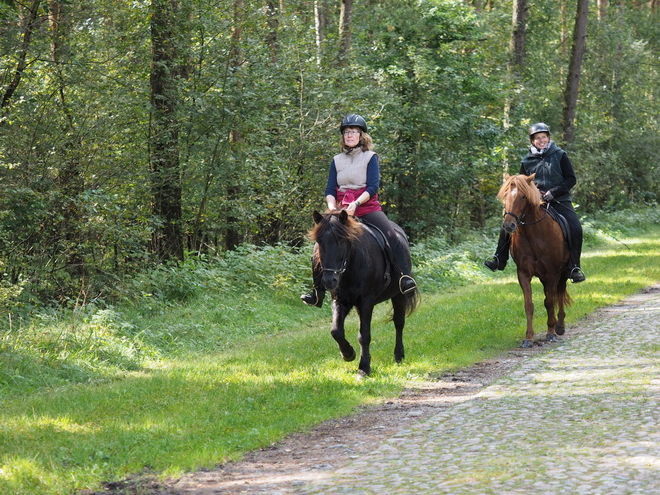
[565,208]
[380,220]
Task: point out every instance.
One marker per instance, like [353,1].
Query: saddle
[381,240]
[563,223]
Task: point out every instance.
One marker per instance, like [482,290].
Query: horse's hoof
[551,337]
[527,344]
[560,329]
[361,375]
[349,357]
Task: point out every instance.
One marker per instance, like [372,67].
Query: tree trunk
[574,70]
[319,26]
[70,179]
[167,242]
[272,37]
[516,61]
[232,235]
[28,21]
[520,8]
[345,29]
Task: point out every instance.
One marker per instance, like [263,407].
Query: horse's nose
[509,226]
[330,280]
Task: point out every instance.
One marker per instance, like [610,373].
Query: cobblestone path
[582,418]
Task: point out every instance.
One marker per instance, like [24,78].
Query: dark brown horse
[359,275]
[539,250]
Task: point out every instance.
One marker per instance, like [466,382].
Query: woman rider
[353,182]
[555,177]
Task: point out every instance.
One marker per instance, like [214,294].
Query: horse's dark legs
[399,320]
[525,284]
[365,310]
[339,314]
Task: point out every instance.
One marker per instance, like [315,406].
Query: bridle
[334,271]
[520,220]
[338,272]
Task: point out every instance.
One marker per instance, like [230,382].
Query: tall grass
[204,362]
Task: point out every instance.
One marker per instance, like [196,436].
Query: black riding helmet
[353,120]
[536,128]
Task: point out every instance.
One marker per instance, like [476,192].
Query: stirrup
[314,298]
[409,282]
[495,264]
[577,275]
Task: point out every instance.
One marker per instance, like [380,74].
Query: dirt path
[286,466]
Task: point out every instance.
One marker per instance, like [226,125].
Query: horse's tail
[412,300]
[568,300]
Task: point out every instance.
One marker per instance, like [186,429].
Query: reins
[520,219]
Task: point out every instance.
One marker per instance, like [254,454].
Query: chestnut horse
[539,249]
[358,273]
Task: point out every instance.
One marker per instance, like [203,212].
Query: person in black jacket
[555,177]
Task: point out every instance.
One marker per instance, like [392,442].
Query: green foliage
[260,99]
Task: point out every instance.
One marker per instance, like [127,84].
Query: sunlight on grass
[195,390]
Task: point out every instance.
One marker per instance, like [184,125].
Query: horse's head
[334,233]
[518,194]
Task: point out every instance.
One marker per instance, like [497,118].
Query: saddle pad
[563,223]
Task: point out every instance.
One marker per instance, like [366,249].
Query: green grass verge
[192,396]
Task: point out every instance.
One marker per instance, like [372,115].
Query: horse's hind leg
[338,333]
[560,327]
[399,320]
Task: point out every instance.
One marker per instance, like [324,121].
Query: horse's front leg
[365,311]
[560,326]
[525,284]
[339,313]
[550,289]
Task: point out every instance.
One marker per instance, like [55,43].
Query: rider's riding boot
[577,275]
[501,256]
[315,297]
[407,284]
[495,264]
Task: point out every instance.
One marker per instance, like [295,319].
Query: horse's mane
[349,230]
[525,187]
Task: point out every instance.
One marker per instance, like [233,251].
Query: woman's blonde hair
[366,142]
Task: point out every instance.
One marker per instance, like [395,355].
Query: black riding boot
[407,284]
[501,256]
[315,297]
[576,275]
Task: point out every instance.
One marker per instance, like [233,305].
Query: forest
[137,133]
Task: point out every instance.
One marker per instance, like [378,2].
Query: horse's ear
[506,176]
[530,178]
[317,217]
[343,216]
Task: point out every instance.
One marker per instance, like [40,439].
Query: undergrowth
[204,305]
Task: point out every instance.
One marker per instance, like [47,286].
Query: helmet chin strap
[349,150]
